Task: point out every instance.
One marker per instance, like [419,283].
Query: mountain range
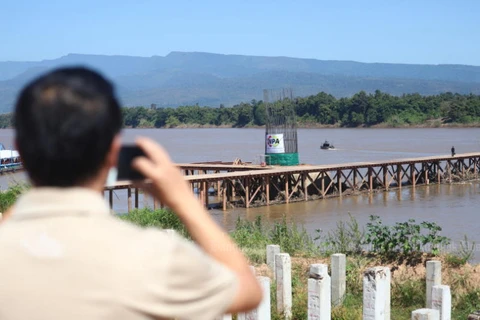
[186,78]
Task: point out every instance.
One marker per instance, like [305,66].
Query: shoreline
[318,126]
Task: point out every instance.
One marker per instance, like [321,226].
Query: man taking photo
[64,256]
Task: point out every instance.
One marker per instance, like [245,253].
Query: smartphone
[125,158]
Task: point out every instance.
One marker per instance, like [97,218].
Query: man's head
[66,122]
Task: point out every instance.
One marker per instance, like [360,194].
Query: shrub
[406,238]
[291,238]
[346,238]
[9,196]
[463,254]
[161,218]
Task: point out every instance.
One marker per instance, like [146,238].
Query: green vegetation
[361,109]
[9,196]
[398,246]
[404,238]
[394,246]
[163,219]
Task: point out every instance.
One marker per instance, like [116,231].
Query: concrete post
[283,267]
[264,310]
[433,278]
[338,267]
[442,301]
[319,293]
[252,314]
[272,250]
[425,314]
[376,294]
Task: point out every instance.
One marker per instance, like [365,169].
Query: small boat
[327,146]
[9,158]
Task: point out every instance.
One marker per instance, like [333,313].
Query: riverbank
[403,247]
[407,266]
[300,125]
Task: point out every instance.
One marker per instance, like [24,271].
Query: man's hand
[168,184]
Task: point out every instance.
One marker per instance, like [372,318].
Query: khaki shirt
[64,256]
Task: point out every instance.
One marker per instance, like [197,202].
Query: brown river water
[454,207]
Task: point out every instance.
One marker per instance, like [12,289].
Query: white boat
[9,158]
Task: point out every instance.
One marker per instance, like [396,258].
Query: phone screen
[125,158]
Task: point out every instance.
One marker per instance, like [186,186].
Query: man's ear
[112,157]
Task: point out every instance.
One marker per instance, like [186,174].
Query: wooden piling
[136,198]
[311,179]
[129,198]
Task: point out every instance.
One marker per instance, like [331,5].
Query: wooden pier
[247,185]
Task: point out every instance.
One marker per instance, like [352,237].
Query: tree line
[361,109]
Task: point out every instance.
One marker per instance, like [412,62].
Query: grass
[408,281]
[10,195]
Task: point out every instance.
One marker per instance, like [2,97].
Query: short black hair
[65,122]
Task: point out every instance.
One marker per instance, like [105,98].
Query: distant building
[153,106]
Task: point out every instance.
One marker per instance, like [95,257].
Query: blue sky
[399,31]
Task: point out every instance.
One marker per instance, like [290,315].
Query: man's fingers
[145,167]
[153,150]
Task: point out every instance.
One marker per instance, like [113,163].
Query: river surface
[454,207]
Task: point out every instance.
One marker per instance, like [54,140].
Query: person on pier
[69,258]
[453,151]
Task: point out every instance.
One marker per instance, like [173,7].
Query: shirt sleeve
[186,284]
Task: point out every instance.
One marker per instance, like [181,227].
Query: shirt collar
[48,202]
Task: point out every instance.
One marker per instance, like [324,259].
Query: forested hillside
[362,109]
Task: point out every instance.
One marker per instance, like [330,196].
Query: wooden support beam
[449,170]
[385,178]
[295,186]
[129,199]
[205,193]
[413,174]
[247,192]
[346,179]
[399,175]
[331,184]
[370,179]
[304,185]
[287,189]
[339,182]
[254,194]
[136,198]
[426,170]
[267,189]
[233,188]
[319,175]
[224,196]
[323,183]
[110,198]
[355,187]
[438,169]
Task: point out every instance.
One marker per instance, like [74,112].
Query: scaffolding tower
[281,143]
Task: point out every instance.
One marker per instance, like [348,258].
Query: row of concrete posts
[326,290]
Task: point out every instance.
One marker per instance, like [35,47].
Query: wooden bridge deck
[241,171]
